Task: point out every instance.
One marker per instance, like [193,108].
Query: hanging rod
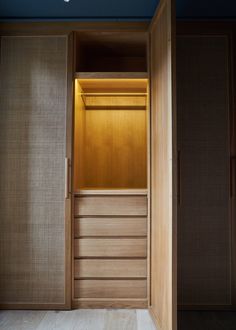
[113,94]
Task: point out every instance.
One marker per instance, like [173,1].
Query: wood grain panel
[110,288]
[32,174]
[79,140]
[110,268]
[111,75]
[100,102]
[110,192]
[113,81]
[63,28]
[113,152]
[110,227]
[204,233]
[116,149]
[163,169]
[110,303]
[111,205]
[116,247]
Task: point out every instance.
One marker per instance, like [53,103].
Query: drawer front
[110,227]
[104,247]
[110,288]
[110,268]
[111,205]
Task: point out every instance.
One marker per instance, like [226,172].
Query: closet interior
[110,172]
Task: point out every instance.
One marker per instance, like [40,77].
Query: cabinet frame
[70,29]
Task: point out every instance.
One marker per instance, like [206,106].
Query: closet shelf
[109,75]
[114,100]
[116,192]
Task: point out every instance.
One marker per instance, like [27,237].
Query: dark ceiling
[111,9]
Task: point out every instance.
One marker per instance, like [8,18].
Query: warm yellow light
[114,84]
[113,93]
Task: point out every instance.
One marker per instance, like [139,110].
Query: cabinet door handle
[179,177]
[66,178]
[232,176]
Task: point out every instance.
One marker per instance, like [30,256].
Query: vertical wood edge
[73,37]
[69,155]
[172,11]
[166,7]
[155,318]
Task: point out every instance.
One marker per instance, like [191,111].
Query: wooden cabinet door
[34,141]
[163,168]
[205,240]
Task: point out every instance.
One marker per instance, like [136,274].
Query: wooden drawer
[110,227]
[110,288]
[110,247]
[110,268]
[111,205]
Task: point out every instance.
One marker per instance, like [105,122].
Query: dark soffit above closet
[111,9]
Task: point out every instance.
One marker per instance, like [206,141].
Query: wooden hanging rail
[113,94]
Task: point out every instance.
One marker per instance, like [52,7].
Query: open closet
[110,188]
[110,171]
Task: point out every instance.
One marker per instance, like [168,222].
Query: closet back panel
[32,180]
[204,229]
[110,144]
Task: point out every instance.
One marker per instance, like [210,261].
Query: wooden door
[163,168]
[34,141]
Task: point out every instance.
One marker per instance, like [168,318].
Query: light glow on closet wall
[110,148]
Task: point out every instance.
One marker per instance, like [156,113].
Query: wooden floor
[96,319]
[102,319]
[207,320]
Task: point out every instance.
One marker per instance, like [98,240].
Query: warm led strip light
[113,94]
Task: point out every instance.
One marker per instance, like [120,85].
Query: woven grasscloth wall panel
[32,151]
[204,234]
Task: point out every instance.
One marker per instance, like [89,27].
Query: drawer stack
[110,250]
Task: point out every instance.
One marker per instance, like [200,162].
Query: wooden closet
[88,187]
[110,189]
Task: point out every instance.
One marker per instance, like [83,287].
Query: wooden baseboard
[34,306]
[109,303]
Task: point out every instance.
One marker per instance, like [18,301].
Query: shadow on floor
[206,320]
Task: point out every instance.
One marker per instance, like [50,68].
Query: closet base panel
[110,303]
[106,288]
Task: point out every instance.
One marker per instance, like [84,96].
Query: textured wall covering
[32,151]
[204,228]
